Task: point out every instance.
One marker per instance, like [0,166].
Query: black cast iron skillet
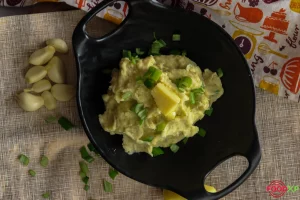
[230,130]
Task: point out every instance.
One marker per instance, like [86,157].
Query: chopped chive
[113,173]
[220,72]
[86,187]
[156,151]
[202,132]
[24,160]
[183,83]
[149,72]
[46,195]
[184,53]
[148,139]
[32,172]
[107,186]
[174,148]
[82,174]
[142,114]
[141,122]
[149,83]
[181,89]
[156,75]
[50,119]
[126,54]
[137,108]
[176,37]
[91,147]
[44,161]
[175,52]
[85,155]
[163,44]
[83,167]
[65,123]
[198,91]
[85,179]
[185,140]
[139,51]
[209,111]
[161,126]
[192,98]
[156,46]
[126,96]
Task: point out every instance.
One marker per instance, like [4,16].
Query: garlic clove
[63,92]
[50,101]
[35,74]
[59,45]
[40,86]
[56,71]
[30,102]
[42,56]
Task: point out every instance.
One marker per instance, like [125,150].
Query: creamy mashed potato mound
[164,102]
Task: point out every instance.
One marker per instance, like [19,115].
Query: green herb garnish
[183,83]
[126,96]
[32,172]
[184,53]
[220,72]
[107,186]
[85,179]
[44,161]
[24,160]
[185,140]
[175,52]
[85,155]
[92,148]
[46,195]
[65,123]
[161,126]
[156,151]
[139,52]
[83,167]
[113,173]
[156,46]
[209,111]
[174,148]
[202,132]
[192,98]
[148,139]
[176,37]
[82,174]
[86,187]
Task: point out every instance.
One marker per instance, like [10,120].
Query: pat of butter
[165,99]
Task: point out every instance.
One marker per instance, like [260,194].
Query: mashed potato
[165,103]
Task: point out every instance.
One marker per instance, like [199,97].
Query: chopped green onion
[107,186]
[156,75]
[154,35]
[137,108]
[174,148]
[183,83]
[85,179]
[181,89]
[82,174]
[175,52]
[126,96]
[65,123]
[83,167]
[163,44]
[46,195]
[85,155]
[176,37]
[113,173]
[142,114]
[156,46]
[51,119]
[156,151]
[220,72]
[192,98]
[202,132]
[139,51]
[32,172]
[209,111]
[149,72]
[141,121]
[126,54]
[198,91]
[86,187]
[161,126]
[91,147]
[24,159]
[44,161]
[185,140]
[184,53]
[148,139]
[149,83]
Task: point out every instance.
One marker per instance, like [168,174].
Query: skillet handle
[253,156]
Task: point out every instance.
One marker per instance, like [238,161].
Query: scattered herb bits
[44,161]
[32,173]
[174,148]
[202,132]
[176,37]
[85,179]
[161,126]
[86,187]
[83,167]
[156,151]
[82,174]
[209,111]
[113,173]
[185,140]
[220,72]
[126,96]
[139,52]
[92,148]
[65,123]
[192,98]
[148,139]
[85,155]
[24,160]
[46,195]
[107,186]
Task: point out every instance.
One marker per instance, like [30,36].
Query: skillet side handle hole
[107,20]
[226,173]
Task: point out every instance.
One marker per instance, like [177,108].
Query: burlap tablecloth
[23,132]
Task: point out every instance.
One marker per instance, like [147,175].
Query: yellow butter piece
[169,195]
[165,99]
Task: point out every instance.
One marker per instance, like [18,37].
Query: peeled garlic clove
[30,102]
[35,74]
[63,92]
[56,70]
[40,86]
[42,56]
[50,101]
[59,45]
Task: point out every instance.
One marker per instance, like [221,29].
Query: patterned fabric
[27,133]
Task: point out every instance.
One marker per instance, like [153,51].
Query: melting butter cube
[165,99]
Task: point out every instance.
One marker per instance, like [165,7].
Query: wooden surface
[37,8]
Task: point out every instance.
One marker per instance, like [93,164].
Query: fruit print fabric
[267,32]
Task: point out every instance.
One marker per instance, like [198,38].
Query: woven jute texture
[278,123]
